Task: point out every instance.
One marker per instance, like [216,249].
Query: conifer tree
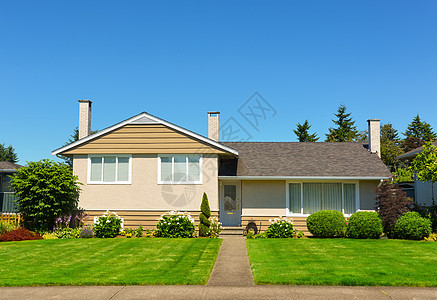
[303,134]
[204,216]
[346,131]
[420,129]
[8,154]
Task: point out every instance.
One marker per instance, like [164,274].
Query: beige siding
[368,194]
[263,222]
[144,192]
[263,197]
[143,139]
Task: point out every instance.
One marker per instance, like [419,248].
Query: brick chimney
[374,136]
[84,118]
[213,125]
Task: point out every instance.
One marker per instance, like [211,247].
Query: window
[109,169]
[309,197]
[179,169]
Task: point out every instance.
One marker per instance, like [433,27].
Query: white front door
[230,203]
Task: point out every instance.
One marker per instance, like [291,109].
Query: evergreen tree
[346,131]
[390,147]
[73,138]
[420,129]
[389,133]
[8,154]
[204,216]
[303,134]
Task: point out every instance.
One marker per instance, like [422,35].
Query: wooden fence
[13,218]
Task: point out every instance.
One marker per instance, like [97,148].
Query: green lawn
[343,262]
[107,261]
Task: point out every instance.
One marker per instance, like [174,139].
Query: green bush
[139,231]
[107,226]
[364,225]
[250,234]
[68,233]
[280,228]
[175,225]
[46,190]
[7,226]
[204,216]
[326,224]
[411,226]
[215,228]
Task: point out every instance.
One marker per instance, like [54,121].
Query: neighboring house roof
[311,160]
[8,167]
[412,154]
[146,119]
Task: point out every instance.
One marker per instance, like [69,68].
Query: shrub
[107,226]
[215,227]
[280,228]
[300,234]
[432,237]
[411,226]
[50,236]
[7,226]
[391,203]
[364,225]
[20,234]
[140,231]
[429,212]
[174,225]
[46,190]
[68,233]
[204,216]
[250,234]
[86,234]
[326,224]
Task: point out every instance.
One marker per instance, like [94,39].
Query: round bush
[364,225]
[411,226]
[326,223]
[280,228]
[107,226]
[175,225]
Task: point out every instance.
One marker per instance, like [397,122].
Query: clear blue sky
[178,60]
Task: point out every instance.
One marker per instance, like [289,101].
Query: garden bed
[107,261]
[343,262]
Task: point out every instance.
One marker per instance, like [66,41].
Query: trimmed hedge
[326,223]
[364,225]
[411,226]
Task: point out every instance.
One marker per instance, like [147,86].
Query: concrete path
[215,292]
[232,267]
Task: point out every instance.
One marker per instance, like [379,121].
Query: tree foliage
[73,138]
[390,147]
[204,216]
[420,129]
[425,163]
[302,133]
[346,131]
[8,154]
[46,190]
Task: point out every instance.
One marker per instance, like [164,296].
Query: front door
[230,203]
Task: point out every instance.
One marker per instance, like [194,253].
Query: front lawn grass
[343,262]
[107,261]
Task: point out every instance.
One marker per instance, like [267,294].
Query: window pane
[332,196]
[230,197]
[312,197]
[109,169]
[180,168]
[96,169]
[350,203]
[123,169]
[193,168]
[295,201]
[166,169]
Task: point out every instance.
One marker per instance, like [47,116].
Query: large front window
[180,169]
[107,169]
[309,197]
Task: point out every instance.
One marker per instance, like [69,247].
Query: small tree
[46,190]
[391,203]
[346,130]
[425,165]
[8,154]
[204,216]
[420,129]
[303,134]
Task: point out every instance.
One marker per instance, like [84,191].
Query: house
[423,191]
[7,195]
[145,166]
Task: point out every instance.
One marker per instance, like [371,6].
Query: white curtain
[295,198]
[350,202]
[123,169]
[96,169]
[312,197]
[109,168]
[332,196]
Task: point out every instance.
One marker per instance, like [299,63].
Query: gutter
[298,178]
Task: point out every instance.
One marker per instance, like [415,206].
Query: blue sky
[178,60]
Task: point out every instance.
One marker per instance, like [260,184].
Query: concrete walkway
[215,292]
[232,267]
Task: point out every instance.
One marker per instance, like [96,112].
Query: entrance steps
[232,230]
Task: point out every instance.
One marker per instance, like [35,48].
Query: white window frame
[200,156]
[301,214]
[116,169]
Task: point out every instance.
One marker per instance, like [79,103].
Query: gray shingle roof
[412,153]
[306,160]
[5,165]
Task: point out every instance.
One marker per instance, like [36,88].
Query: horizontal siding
[263,222]
[143,139]
[148,219]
